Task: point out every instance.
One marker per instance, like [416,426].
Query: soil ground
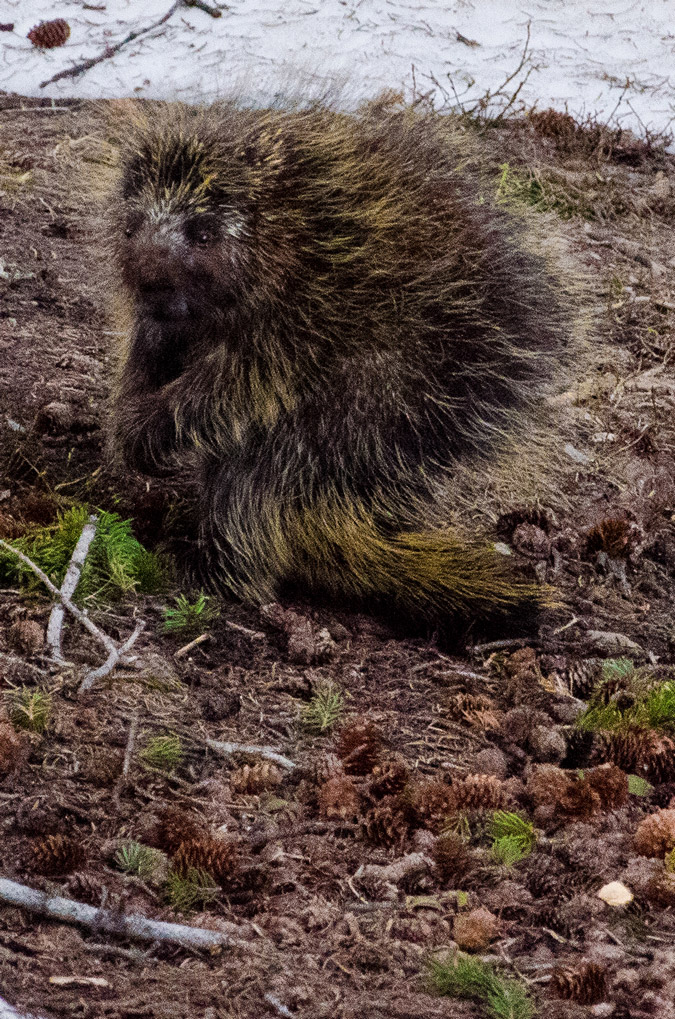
[440,735]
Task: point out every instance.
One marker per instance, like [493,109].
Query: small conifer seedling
[189,618]
[30,709]
[324,709]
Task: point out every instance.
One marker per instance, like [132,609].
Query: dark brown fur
[327,320]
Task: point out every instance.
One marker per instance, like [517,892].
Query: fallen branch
[112,660]
[81,616]
[133,926]
[193,643]
[114,652]
[68,587]
[243,748]
[110,51]
[394,873]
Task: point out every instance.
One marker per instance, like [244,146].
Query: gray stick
[70,582]
[132,926]
[244,748]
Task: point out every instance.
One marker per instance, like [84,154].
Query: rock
[610,643]
[616,894]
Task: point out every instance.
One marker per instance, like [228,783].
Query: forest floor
[439,800]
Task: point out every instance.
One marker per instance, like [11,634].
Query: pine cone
[584,676]
[174,827]
[56,854]
[359,745]
[26,636]
[453,859]
[655,835]
[322,768]
[338,799]
[479,792]
[389,777]
[49,34]
[587,983]
[661,890]
[659,761]
[580,800]
[475,930]
[433,802]
[610,783]
[387,823]
[255,778]
[546,877]
[644,752]
[219,859]
[580,747]
[625,749]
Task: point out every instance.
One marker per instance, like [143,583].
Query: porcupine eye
[201,232]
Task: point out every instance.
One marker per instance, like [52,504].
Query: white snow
[610,58]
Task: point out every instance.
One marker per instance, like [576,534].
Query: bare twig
[81,617]
[276,1004]
[193,643]
[501,645]
[242,748]
[70,582]
[394,873]
[207,8]
[132,927]
[110,51]
[133,729]
[253,634]
[112,660]
[115,653]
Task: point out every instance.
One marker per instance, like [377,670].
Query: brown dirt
[325,940]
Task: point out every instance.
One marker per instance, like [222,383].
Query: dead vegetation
[357,823]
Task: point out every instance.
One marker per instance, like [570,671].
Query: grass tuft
[651,708]
[191,890]
[466,977]
[134,858]
[163,753]
[511,832]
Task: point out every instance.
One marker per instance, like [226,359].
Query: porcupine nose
[162,299]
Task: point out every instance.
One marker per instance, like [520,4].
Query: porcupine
[327,321]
